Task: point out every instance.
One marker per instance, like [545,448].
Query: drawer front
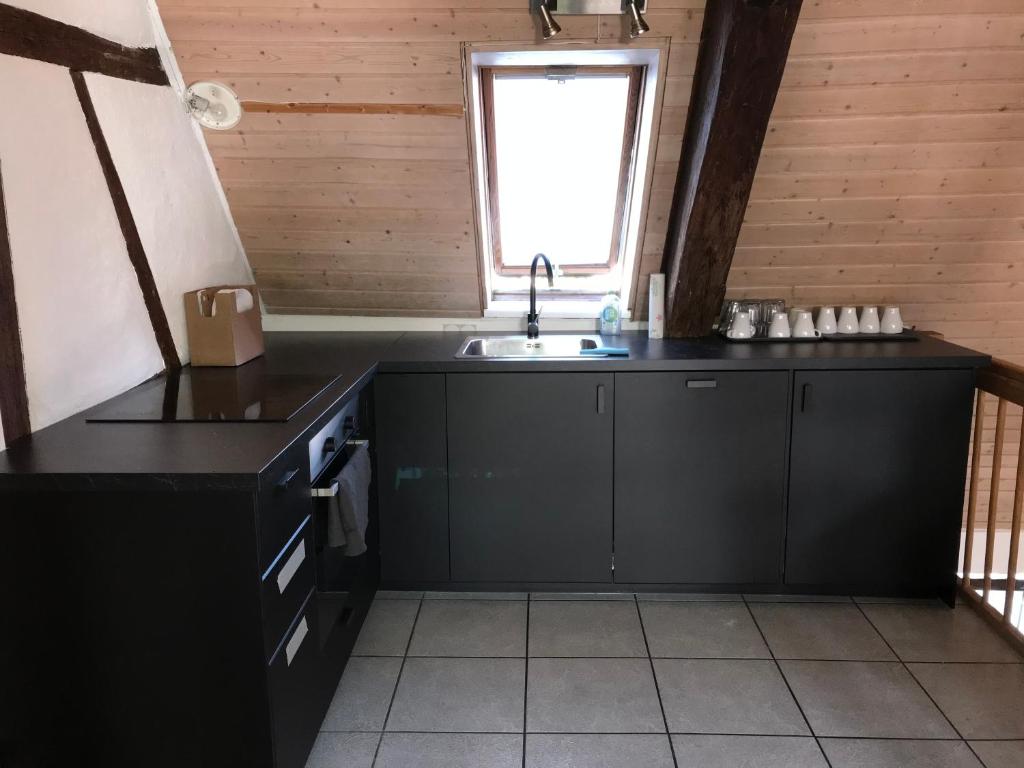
[286,583]
[284,502]
[293,677]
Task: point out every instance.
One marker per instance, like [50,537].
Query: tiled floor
[496,680]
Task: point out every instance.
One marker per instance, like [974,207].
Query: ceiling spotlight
[637,24]
[548,26]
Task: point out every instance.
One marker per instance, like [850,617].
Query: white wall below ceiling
[86,334]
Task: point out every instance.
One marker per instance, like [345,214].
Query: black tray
[773,340]
[906,335]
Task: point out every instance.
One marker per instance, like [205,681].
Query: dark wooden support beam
[136,251]
[742,55]
[33,36]
[13,394]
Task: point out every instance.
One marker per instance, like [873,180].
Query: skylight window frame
[635,74]
[574,296]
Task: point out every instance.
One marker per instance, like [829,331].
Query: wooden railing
[995,598]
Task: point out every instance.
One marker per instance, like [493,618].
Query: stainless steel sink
[513,347]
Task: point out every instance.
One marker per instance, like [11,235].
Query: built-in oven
[345,580]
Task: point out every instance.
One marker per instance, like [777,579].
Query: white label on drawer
[293,645]
[284,576]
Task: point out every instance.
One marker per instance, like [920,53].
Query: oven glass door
[345,580]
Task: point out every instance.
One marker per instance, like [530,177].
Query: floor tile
[820,631]
[450,750]
[936,633]
[727,697]
[797,599]
[1000,754]
[461,695]
[343,750]
[592,696]
[864,699]
[583,750]
[898,753]
[470,628]
[702,630]
[689,597]
[363,695]
[586,628]
[582,596]
[386,629]
[394,594]
[475,596]
[982,700]
[747,752]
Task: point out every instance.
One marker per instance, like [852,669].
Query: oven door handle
[328,492]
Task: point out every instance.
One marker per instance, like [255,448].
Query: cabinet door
[530,457]
[877,478]
[700,476]
[412,462]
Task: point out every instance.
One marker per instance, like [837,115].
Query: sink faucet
[532,318]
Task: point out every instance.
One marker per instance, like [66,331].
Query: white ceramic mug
[779,329]
[804,327]
[848,320]
[869,320]
[741,327]
[892,321]
[827,322]
[794,313]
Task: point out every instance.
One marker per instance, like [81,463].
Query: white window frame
[653,56]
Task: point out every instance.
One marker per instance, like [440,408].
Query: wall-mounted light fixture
[632,9]
[548,26]
[637,23]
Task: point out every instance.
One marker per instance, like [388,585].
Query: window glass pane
[559,151]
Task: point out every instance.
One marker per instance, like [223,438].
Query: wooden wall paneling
[14,414]
[889,112]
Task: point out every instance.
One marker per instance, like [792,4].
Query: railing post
[972,492]
[1018,503]
[993,497]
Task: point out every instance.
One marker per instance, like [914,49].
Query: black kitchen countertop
[74,453]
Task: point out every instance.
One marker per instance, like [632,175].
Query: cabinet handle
[805,397]
[296,640]
[286,479]
[600,398]
[291,567]
[330,445]
[701,383]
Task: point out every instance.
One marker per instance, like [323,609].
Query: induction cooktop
[246,393]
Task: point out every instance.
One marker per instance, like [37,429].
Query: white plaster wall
[123,21]
[86,335]
[84,327]
[186,231]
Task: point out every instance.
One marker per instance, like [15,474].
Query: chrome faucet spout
[532,317]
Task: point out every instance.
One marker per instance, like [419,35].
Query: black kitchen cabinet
[877,480]
[700,477]
[530,457]
[412,461]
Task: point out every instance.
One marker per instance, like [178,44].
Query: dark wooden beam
[33,36]
[742,55]
[13,394]
[136,251]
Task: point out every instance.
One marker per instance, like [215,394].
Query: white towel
[350,509]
